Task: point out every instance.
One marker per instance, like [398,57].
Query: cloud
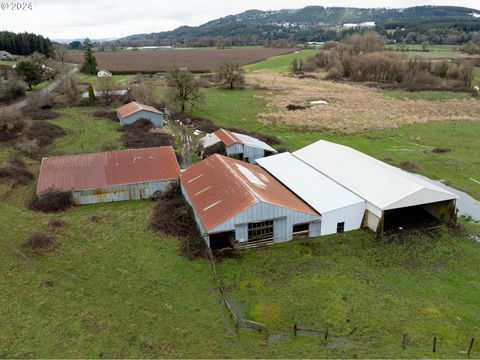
[117,18]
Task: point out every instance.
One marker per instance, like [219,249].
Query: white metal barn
[393,196]
[241,146]
[341,210]
[240,204]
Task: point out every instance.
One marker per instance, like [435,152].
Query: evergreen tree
[89,63]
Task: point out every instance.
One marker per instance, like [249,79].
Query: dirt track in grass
[352,107]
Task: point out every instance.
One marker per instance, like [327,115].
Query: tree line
[25,43]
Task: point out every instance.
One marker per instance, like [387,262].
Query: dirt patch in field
[351,107]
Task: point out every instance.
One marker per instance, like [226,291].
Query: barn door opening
[222,240]
[260,231]
[300,231]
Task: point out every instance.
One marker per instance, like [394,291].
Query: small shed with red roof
[236,145]
[133,111]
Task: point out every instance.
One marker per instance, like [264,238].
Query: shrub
[29,147]
[41,100]
[40,243]
[52,200]
[44,132]
[139,135]
[41,114]
[12,89]
[441,68]
[333,74]
[56,224]
[17,171]
[110,115]
[172,215]
[440,150]
[11,123]
[410,165]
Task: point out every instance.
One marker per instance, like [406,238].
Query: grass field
[115,289]
[427,95]
[379,292]
[413,142]
[434,51]
[280,63]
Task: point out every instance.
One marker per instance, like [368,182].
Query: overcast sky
[116,18]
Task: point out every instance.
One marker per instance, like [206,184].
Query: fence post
[294,329]
[434,343]
[404,341]
[471,346]
[326,334]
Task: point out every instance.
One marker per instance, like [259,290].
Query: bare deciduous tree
[231,75]
[184,90]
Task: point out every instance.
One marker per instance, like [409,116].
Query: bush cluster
[140,135]
[52,200]
[172,215]
[362,57]
[16,170]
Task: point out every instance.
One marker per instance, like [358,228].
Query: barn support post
[380,227]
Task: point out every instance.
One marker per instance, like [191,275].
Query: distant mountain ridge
[317,23]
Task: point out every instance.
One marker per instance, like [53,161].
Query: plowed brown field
[162,60]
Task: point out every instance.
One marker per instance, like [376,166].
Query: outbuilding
[341,209]
[236,145]
[395,199]
[133,111]
[104,73]
[240,204]
[110,176]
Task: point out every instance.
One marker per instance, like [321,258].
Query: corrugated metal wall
[234,149]
[156,119]
[252,153]
[120,193]
[284,219]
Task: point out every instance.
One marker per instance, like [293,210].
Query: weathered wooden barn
[241,204]
[395,199]
[133,111]
[232,144]
[110,176]
[341,209]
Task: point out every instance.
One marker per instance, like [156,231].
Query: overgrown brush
[172,215]
[139,135]
[40,243]
[11,123]
[53,200]
[16,170]
[441,150]
[110,115]
[410,165]
[44,132]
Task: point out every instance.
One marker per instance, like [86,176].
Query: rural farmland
[281,184]
[197,60]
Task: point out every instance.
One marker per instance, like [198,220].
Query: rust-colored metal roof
[96,170]
[227,137]
[133,107]
[220,187]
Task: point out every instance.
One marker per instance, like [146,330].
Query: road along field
[193,59]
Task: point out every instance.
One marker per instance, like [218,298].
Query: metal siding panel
[315,229]
[156,119]
[119,193]
[234,149]
[253,153]
[241,233]
[352,216]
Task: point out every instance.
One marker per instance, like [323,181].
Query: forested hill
[436,24]
[25,43]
